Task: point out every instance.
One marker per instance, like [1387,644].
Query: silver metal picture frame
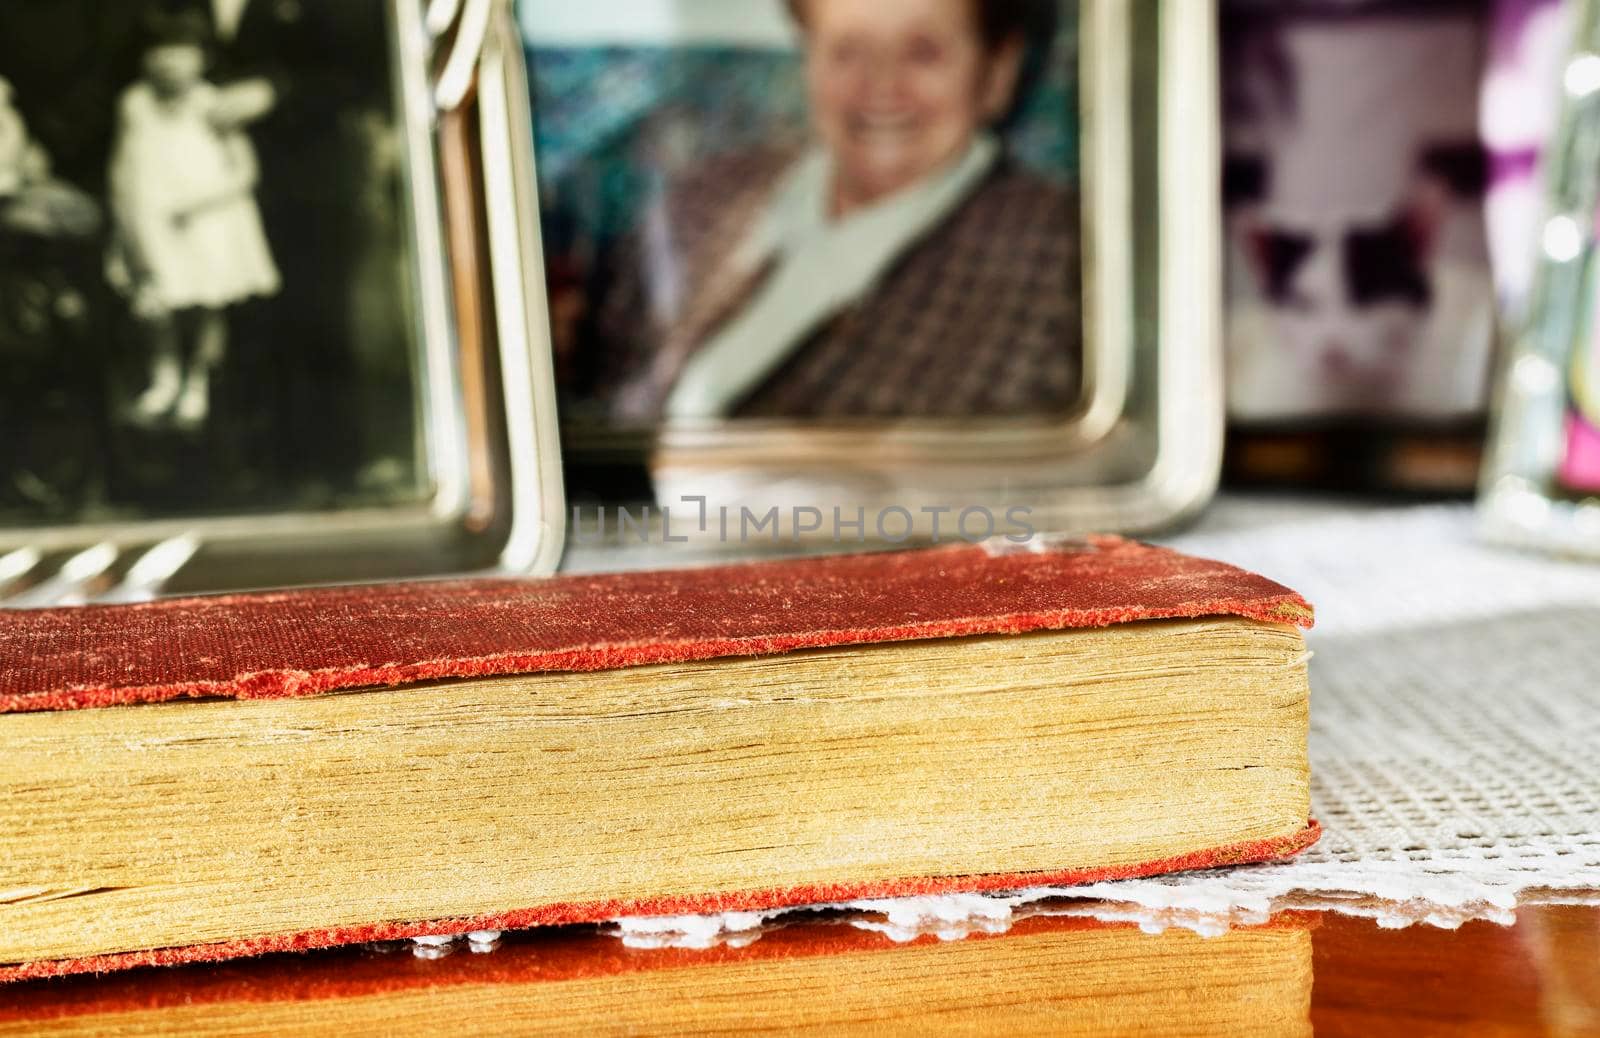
[488,494]
[1141,446]
[1541,478]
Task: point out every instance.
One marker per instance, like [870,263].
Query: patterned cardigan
[980,316]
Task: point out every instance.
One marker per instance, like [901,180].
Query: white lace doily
[1455,737]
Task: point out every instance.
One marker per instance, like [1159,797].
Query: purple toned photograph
[1355,180]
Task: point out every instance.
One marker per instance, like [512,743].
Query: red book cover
[312,641]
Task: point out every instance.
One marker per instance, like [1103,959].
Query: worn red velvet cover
[299,643]
[304,642]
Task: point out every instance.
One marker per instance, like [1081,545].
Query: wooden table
[1050,975]
[1541,976]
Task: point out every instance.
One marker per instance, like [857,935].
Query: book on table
[1045,974]
[204,778]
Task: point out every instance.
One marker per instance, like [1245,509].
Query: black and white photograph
[206,281]
[812,209]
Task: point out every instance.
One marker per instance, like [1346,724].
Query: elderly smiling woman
[901,265]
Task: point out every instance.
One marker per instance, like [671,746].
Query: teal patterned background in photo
[612,124]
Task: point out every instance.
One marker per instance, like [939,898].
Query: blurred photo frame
[270,297]
[843,292]
[1362,194]
[1541,479]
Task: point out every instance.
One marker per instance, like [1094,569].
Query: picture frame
[488,491]
[1140,446]
[1366,239]
[1540,484]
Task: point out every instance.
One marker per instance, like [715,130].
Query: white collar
[822,266]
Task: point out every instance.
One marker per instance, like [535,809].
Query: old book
[1045,975]
[210,777]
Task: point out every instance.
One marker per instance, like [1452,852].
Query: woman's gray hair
[1000,22]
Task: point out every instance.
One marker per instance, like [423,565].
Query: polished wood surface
[1538,977]
[1302,972]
